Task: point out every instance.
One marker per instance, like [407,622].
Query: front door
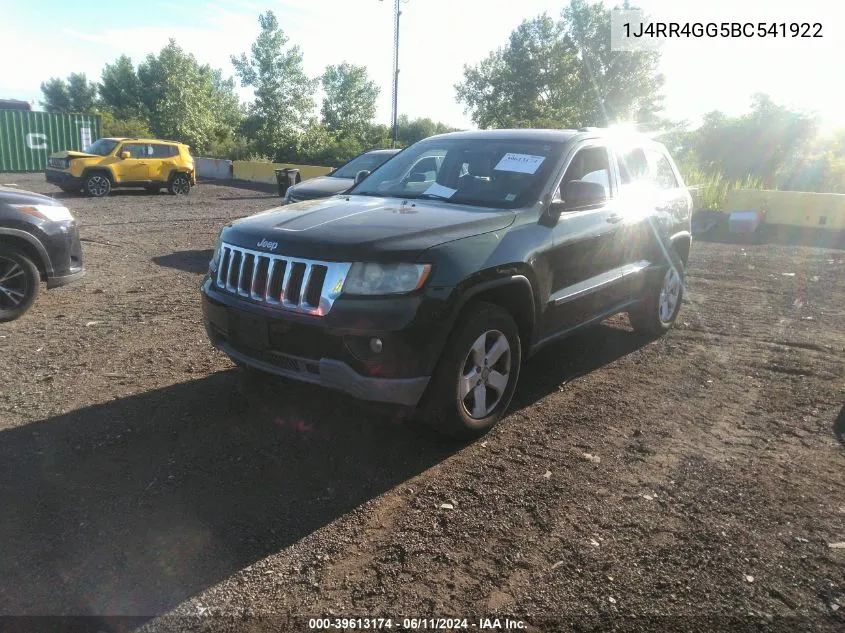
[136,167]
[584,260]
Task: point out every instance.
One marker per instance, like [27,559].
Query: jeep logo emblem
[268,245]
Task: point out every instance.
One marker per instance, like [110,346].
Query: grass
[709,190]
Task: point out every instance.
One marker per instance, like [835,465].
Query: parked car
[433,294]
[39,241]
[124,162]
[340,179]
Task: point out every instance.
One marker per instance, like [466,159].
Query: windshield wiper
[431,196]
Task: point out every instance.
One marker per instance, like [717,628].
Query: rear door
[162,161]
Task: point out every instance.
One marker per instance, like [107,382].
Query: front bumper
[63,179]
[55,281]
[332,352]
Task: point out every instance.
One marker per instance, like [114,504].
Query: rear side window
[664,175]
[163,151]
[633,165]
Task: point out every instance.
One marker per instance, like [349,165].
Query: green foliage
[183,98]
[710,190]
[120,90]
[284,95]
[129,128]
[76,95]
[410,131]
[350,102]
[562,74]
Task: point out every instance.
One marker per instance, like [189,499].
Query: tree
[120,90]
[183,97]
[562,74]
[284,95]
[350,102]
[56,96]
[76,95]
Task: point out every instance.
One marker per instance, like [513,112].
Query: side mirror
[361,175]
[125,155]
[581,193]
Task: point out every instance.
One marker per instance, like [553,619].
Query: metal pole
[396,71]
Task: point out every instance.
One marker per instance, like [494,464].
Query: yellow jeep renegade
[124,162]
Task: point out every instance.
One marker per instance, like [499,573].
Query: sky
[40,39]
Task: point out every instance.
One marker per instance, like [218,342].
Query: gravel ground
[650,485]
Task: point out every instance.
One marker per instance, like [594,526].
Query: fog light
[376,345]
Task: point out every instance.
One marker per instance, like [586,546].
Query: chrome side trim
[594,284]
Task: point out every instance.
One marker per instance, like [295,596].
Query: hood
[11,195]
[320,187]
[356,228]
[73,154]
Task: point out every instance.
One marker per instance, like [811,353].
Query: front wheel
[476,378]
[662,302]
[180,185]
[97,185]
[19,283]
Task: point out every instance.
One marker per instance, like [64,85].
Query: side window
[161,151]
[592,165]
[633,165]
[664,175]
[136,150]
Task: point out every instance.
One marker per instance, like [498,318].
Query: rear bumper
[63,179]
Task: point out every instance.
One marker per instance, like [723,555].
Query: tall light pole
[395,119]
[397,11]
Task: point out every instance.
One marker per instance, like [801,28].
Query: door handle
[613,218]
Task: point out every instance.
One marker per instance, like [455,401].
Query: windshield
[103,147]
[498,173]
[364,161]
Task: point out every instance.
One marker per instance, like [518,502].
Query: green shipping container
[28,138]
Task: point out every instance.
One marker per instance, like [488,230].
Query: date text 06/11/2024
[416,624]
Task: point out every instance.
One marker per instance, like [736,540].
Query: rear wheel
[97,185]
[660,307]
[476,378]
[180,185]
[19,283]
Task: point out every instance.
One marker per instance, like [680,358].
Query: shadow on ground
[133,506]
[717,230]
[195,261]
[839,426]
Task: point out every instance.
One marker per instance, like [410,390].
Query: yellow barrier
[792,208]
[264,172]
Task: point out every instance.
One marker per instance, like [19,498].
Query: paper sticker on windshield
[521,163]
[440,190]
[510,197]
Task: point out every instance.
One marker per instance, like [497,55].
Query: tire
[20,282]
[180,184]
[97,185]
[449,405]
[658,310]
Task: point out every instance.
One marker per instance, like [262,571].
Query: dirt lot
[684,481]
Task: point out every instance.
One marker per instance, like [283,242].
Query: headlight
[215,256]
[385,279]
[45,212]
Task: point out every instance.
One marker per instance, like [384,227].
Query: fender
[517,280]
[89,170]
[35,243]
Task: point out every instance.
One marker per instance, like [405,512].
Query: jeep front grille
[300,285]
[59,163]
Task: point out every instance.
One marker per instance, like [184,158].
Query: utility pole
[396,71]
